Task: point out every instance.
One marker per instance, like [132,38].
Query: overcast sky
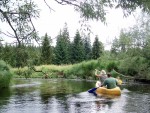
[52,21]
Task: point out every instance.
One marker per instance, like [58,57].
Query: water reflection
[71,96]
[5,95]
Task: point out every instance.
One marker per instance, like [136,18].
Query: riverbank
[84,70]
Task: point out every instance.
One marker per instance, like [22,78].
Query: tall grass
[83,70]
[5,74]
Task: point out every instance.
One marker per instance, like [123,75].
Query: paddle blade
[92,90]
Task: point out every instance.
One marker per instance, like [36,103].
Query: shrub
[133,66]
[112,65]
[5,74]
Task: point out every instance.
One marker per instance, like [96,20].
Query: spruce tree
[66,47]
[46,51]
[97,48]
[87,48]
[59,50]
[77,49]
[62,49]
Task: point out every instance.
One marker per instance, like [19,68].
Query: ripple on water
[26,85]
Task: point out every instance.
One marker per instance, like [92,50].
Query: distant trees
[46,50]
[97,49]
[64,52]
[80,49]
[78,53]
[87,47]
[62,48]
[21,56]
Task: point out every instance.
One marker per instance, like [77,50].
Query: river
[71,96]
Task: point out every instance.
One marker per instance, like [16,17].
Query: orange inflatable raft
[115,91]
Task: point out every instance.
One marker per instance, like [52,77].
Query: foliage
[5,74]
[18,15]
[112,65]
[146,50]
[21,56]
[34,54]
[78,53]
[87,48]
[129,54]
[8,51]
[97,48]
[62,48]
[97,9]
[133,66]
[131,49]
[46,52]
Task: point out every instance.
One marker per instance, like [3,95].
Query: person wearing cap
[110,82]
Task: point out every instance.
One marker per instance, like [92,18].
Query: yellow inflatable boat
[102,90]
[119,81]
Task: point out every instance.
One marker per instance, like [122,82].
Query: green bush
[23,73]
[112,65]
[133,66]
[82,70]
[5,74]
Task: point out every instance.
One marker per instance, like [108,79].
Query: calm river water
[71,96]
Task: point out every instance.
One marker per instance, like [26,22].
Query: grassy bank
[82,70]
[86,69]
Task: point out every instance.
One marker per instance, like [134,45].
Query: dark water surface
[71,96]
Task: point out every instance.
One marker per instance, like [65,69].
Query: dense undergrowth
[5,75]
[132,67]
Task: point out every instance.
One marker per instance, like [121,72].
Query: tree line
[64,52]
[132,49]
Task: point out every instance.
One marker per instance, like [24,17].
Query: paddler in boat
[102,76]
[110,82]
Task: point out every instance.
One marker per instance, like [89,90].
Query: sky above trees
[51,22]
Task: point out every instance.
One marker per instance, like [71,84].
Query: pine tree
[87,48]
[66,41]
[46,53]
[77,49]
[97,48]
[62,49]
[59,50]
